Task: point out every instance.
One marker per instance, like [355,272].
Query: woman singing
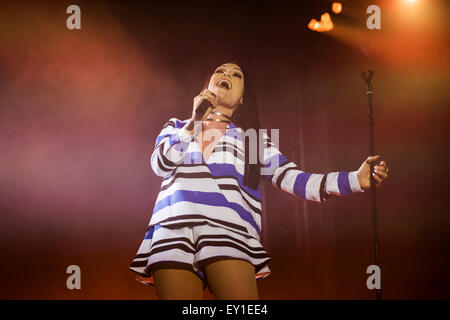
[206,224]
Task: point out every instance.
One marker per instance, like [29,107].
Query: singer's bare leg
[232,279]
[177,284]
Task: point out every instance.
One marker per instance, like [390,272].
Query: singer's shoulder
[176,123]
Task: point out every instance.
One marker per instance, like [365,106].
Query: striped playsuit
[204,212]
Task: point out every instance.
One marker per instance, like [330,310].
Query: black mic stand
[369,91]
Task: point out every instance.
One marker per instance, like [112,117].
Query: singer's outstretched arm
[318,187]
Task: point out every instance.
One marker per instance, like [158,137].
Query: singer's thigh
[178,284]
[232,279]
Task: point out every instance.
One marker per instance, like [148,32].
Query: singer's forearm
[190,126]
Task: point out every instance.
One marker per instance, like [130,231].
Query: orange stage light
[336,7]
[313,25]
[325,23]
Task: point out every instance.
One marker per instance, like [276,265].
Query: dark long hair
[246,116]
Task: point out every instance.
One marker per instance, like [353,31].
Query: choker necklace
[220,120]
[221,114]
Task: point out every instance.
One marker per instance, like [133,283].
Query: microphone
[204,105]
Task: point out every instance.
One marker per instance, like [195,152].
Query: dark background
[80,111]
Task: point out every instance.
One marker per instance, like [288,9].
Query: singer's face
[227,82]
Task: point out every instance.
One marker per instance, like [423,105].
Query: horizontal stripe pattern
[202,187]
[197,191]
[191,247]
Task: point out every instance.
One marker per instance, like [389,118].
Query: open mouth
[224,83]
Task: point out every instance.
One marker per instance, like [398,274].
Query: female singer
[206,223]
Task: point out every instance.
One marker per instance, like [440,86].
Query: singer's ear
[241,101]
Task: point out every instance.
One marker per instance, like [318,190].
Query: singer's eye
[238,75]
[219,71]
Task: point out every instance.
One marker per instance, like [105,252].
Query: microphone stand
[369,91]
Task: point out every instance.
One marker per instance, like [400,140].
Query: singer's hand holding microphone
[204,103]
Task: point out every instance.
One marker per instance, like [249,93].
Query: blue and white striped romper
[204,211]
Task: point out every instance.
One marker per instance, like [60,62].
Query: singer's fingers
[381,174]
[371,159]
[208,94]
[197,101]
[212,93]
[377,178]
[202,96]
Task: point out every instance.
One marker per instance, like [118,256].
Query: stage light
[313,25]
[336,7]
[325,23]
